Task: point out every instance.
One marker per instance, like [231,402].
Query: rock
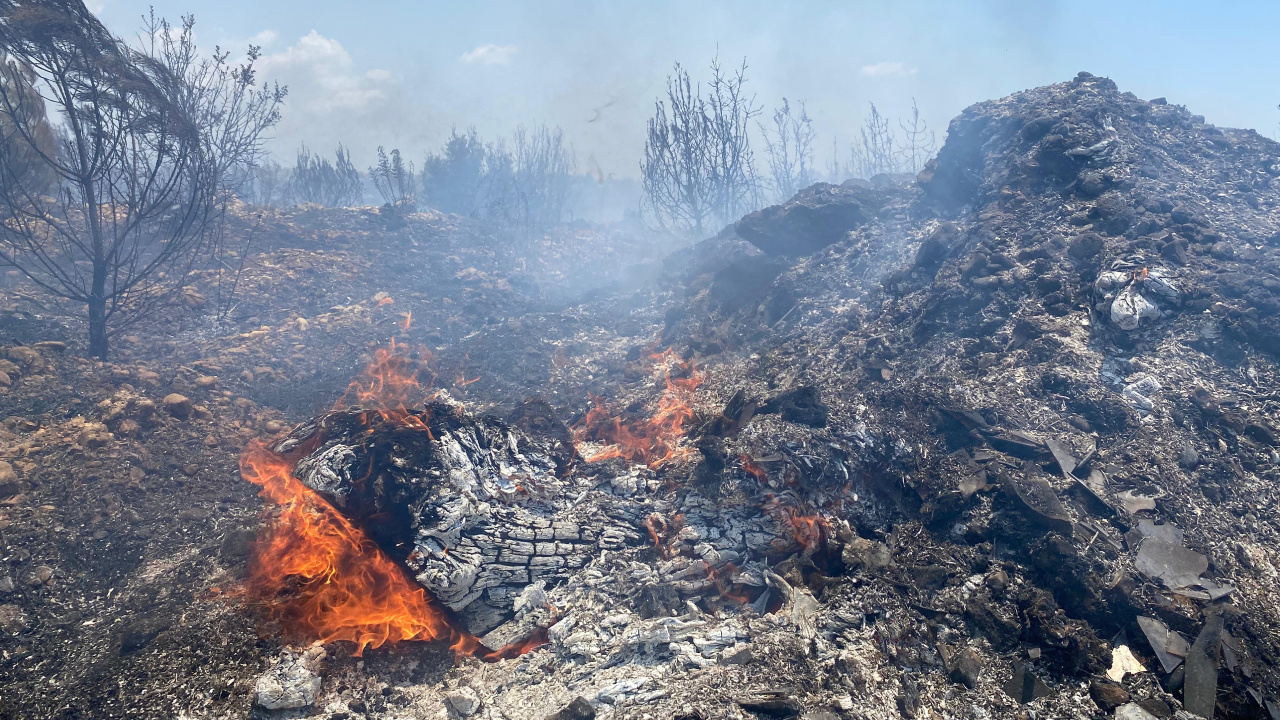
[1108,695]
[50,345]
[869,554]
[1085,245]
[192,298]
[206,381]
[740,654]
[579,709]
[41,576]
[1189,458]
[1133,711]
[10,485]
[1130,308]
[26,358]
[6,584]
[997,581]
[5,380]
[463,701]
[965,668]
[12,618]
[817,216]
[294,681]
[177,405]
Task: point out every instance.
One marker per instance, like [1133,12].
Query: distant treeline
[528,180]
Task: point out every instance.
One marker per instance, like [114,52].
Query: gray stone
[294,682]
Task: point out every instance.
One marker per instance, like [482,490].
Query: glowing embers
[654,441]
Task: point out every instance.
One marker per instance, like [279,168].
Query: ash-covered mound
[1055,353]
[996,441]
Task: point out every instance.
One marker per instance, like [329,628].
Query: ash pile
[1002,440]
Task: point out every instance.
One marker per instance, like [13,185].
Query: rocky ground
[996,441]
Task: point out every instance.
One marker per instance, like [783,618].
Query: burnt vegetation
[981,430]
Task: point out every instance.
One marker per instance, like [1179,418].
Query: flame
[810,532]
[389,385]
[385,301]
[750,467]
[323,578]
[651,442]
[460,380]
[318,573]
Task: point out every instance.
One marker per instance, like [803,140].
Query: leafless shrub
[918,141]
[316,180]
[789,145]
[876,151]
[542,168]
[698,166]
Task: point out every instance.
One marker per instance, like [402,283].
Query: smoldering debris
[992,442]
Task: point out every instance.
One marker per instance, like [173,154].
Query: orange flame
[385,301]
[750,467]
[318,573]
[460,380]
[810,532]
[323,578]
[389,385]
[657,440]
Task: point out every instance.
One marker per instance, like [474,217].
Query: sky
[401,73]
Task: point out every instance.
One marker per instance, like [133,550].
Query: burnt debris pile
[999,440]
[1007,429]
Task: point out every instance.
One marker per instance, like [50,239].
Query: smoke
[402,75]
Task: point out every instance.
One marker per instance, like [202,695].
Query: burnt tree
[146,141]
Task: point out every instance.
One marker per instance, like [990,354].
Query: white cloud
[331,100]
[886,69]
[264,38]
[490,55]
[322,77]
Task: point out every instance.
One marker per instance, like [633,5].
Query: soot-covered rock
[816,217]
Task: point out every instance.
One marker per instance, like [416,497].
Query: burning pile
[403,517]
[320,575]
[656,440]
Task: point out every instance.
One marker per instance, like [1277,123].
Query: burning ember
[651,442]
[318,573]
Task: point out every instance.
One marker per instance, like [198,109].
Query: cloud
[95,6]
[886,69]
[490,55]
[330,99]
[321,76]
[264,38]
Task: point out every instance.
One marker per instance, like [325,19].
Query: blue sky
[400,73]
